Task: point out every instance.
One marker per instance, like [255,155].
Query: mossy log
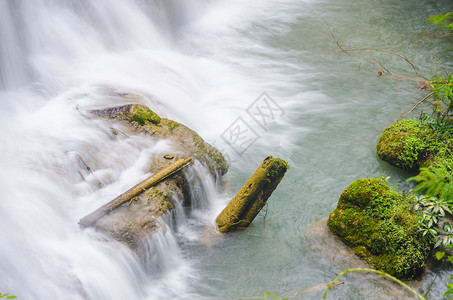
[251,198]
[169,170]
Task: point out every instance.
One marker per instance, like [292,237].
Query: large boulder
[136,219]
[377,223]
[187,141]
[411,144]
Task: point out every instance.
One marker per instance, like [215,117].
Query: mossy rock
[186,141]
[377,223]
[144,115]
[411,144]
[132,222]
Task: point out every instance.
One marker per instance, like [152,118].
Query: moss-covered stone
[376,222]
[132,222]
[188,141]
[143,115]
[411,144]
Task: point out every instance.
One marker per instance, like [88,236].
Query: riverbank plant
[441,98]
[444,21]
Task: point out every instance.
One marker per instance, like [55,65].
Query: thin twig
[331,32]
[418,103]
[266,206]
[382,66]
[388,52]
[367,49]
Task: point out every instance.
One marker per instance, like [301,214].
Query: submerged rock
[376,222]
[328,249]
[132,221]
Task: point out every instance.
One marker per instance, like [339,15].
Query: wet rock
[187,141]
[138,217]
[376,222]
[328,249]
[411,144]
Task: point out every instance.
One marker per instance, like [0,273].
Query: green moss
[141,116]
[278,161]
[411,144]
[173,125]
[275,168]
[377,223]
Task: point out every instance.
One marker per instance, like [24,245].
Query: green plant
[436,183]
[442,20]
[7,296]
[381,273]
[442,99]
[445,235]
[440,255]
[433,209]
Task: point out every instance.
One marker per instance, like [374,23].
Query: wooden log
[251,198]
[154,179]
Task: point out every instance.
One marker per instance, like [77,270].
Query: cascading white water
[58,60]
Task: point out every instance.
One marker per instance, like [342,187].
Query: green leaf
[450,258]
[440,254]
[11,297]
[439,242]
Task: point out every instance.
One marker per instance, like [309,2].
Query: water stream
[203,63]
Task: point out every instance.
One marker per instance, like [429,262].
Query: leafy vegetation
[7,296]
[441,87]
[434,200]
[442,100]
[444,21]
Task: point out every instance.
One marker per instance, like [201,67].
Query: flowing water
[203,63]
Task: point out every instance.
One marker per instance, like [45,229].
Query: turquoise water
[336,108]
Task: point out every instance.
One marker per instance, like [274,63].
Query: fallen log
[154,179]
[251,198]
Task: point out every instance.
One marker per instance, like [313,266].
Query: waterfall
[59,59]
